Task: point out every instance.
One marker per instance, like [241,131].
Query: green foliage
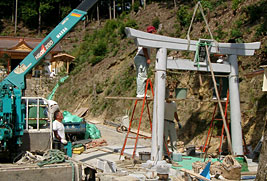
[65,10]
[220,34]
[156,22]
[100,49]
[131,23]
[136,6]
[235,4]
[235,33]
[261,30]
[256,12]
[184,16]
[239,23]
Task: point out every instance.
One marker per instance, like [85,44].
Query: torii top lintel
[150,40]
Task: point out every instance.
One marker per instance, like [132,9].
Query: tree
[262,167]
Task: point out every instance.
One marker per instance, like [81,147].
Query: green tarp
[91,130]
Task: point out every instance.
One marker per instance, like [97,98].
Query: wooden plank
[81,112]
[194,174]
[128,98]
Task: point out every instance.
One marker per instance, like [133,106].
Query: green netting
[50,97]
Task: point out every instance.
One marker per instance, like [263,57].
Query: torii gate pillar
[158,106]
[236,128]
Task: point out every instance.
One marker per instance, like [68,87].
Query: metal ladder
[208,139]
[145,101]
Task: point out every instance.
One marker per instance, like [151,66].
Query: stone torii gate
[162,43]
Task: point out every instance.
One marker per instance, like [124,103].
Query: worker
[225,85]
[142,61]
[170,113]
[52,106]
[58,132]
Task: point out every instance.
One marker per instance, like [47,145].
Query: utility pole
[16,14]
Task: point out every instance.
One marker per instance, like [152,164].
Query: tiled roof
[7,43]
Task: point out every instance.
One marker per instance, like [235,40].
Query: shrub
[100,49]
[184,16]
[156,22]
[235,4]
[235,33]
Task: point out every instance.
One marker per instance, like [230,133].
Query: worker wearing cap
[142,61]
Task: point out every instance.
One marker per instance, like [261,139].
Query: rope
[52,156]
[56,156]
[206,22]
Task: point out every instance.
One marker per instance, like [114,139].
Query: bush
[184,16]
[131,23]
[235,4]
[235,33]
[156,22]
[100,49]
[136,6]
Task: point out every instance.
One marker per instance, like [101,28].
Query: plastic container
[177,157]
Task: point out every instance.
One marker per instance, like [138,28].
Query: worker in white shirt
[170,114]
[59,139]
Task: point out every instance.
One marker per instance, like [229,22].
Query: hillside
[104,65]
[115,74]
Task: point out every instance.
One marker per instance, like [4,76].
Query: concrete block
[106,166]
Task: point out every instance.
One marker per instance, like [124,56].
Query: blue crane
[12,109]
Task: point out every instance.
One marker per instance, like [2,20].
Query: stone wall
[39,86]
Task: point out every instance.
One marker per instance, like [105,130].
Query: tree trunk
[39,22]
[114,9]
[174,1]
[97,13]
[262,168]
[16,16]
[144,4]
[132,4]
[109,9]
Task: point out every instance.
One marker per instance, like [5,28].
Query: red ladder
[140,119]
[208,139]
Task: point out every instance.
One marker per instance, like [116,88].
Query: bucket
[144,156]
[177,157]
[191,150]
[181,93]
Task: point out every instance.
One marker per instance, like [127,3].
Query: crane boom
[12,109]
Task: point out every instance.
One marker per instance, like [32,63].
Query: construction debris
[96,143]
